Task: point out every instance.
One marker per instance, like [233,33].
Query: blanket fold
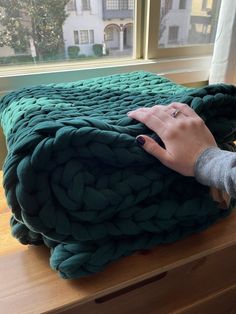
[77,181]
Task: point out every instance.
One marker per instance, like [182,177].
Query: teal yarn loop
[77,181]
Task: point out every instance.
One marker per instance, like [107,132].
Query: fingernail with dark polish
[140,140]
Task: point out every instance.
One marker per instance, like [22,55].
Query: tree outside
[32,22]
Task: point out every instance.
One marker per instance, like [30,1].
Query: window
[76,37]
[173,34]
[109,35]
[168,4]
[91,36]
[131,5]
[71,6]
[158,31]
[53,33]
[182,4]
[124,4]
[84,37]
[85,5]
[112,4]
[119,4]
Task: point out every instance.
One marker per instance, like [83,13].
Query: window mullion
[152,28]
[138,29]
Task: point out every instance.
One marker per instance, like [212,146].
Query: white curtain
[223,68]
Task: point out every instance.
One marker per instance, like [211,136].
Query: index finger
[147,117]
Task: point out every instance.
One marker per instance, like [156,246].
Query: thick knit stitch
[77,181]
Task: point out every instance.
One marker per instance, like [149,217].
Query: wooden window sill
[28,285]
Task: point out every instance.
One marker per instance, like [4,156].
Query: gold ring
[175,113]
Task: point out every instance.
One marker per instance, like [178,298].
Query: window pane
[84,37]
[85,4]
[34,32]
[76,37]
[91,36]
[112,4]
[188,22]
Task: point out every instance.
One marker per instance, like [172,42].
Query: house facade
[185,22]
[106,22]
[175,22]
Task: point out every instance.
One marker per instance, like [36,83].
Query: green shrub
[73,52]
[97,49]
[82,56]
[16,59]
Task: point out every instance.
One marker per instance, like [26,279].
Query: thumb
[153,148]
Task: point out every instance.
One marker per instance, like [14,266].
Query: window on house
[172,29]
[85,5]
[76,37]
[182,4]
[131,4]
[71,5]
[168,4]
[84,37]
[124,4]
[173,34]
[87,36]
[112,4]
[109,35]
[91,36]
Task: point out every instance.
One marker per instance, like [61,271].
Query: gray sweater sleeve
[216,167]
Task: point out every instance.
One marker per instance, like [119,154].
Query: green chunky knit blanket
[77,181]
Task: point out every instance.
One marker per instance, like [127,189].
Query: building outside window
[85,5]
[181,23]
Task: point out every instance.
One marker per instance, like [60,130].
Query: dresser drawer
[172,291]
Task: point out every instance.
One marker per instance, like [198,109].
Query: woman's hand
[183,132]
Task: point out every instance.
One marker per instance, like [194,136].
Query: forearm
[215,167]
